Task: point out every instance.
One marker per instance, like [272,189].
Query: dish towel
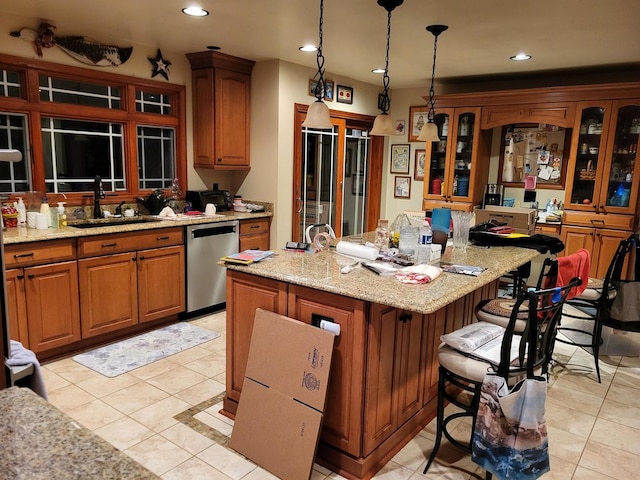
[575,265]
[417,274]
[21,356]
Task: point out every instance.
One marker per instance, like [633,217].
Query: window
[81,123]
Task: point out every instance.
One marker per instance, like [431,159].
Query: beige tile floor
[594,429]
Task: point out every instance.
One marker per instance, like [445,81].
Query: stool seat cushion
[462,365]
[498,312]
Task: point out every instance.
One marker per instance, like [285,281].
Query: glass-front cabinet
[605,143]
[452,178]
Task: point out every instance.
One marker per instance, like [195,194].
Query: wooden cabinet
[561,114]
[221,110]
[144,283]
[342,425]
[458,165]
[254,234]
[600,242]
[42,294]
[394,390]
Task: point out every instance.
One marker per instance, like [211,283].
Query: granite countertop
[23,234]
[322,271]
[41,442]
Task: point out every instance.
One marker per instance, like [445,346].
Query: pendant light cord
[386,102]
[319,89]
[431,114]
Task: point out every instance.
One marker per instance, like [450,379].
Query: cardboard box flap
[291,357]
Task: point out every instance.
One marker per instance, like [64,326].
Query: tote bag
[510,436]
[626,304]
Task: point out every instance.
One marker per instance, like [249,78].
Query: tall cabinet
[601,198]
[454,177]
[221,110]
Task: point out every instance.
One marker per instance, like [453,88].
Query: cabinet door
[605,245]
[342,426]
[160,283]
[16,306]
[575,238]
[585,173]
[466,128]
[619,192]
[246,293]
[436,170]
[52,305]
[108,293]
[232,112]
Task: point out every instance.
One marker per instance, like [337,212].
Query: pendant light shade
[383,125]
[429,131]
[318,116]
[318,113]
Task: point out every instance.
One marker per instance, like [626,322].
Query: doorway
[338,175]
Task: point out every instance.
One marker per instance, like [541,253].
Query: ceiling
[482,35]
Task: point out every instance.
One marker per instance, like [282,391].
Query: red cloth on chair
[575,265]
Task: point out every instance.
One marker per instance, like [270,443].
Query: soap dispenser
[62,217]
[22,212]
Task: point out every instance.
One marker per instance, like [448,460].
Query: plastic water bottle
[425,239]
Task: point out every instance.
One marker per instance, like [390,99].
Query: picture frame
[344,94]
[399,126]
[400,158]
[357,184]
[328,87]
[420,156]
[401,187]
[417,118]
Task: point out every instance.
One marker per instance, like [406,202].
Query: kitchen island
[384,375]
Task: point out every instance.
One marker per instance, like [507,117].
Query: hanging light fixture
[318,112]
[383,125]
[429,131]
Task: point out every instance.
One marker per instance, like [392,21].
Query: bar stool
[463,373]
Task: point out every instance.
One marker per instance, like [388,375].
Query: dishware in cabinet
[454,177]
[602,179]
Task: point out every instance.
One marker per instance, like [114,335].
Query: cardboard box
[522,220]
[283,396]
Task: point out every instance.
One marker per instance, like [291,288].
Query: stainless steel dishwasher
[206,280]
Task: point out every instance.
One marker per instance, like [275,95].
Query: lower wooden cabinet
[161,289]
[254,234]
[42,304]
[600,242]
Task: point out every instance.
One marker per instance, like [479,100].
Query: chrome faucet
[98,193]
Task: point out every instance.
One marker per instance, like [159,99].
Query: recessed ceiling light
[195,11]
[520,57]
[308,48]
[377,70]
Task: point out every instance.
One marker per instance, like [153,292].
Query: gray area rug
[118,358]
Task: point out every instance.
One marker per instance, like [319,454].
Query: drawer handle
[598,221]
[22,255]
[163,238]
[107,245]
[255,226]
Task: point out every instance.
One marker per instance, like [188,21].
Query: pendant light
[383,125]
[318,112]
[429,131]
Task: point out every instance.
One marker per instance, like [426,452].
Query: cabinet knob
[141,257]
[31,275]
[219,160]
[19,277]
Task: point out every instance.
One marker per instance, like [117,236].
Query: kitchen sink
[109,222]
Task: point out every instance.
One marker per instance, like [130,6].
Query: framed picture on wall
[402,187]
[328,89]
[400,158]
[417,118]
[418,169]
[344,94]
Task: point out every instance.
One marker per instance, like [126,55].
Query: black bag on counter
[540,242]
[624,313]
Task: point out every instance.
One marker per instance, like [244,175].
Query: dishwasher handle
[213,231]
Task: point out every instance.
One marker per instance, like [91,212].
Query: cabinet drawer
[251,227]
[602,220]
[126,242]
[254,242]
[34,253]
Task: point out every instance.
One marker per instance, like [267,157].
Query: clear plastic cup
[461,225]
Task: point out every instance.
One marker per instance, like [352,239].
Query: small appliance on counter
[220,198]
[493,194]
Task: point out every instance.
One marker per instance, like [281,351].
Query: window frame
[34,108]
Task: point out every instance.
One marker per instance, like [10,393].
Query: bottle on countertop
[382,235]
[425,239]
[44,208]
[62,216]
[22,212]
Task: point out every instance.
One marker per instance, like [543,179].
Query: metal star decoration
[160,66]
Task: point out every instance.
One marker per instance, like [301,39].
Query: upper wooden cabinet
[221,110]
[458,165]
[560,114]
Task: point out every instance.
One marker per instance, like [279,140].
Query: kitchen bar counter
[41,442]
[322,271]
[24,235]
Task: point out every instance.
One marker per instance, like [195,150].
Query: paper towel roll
[330,327]
[355,250]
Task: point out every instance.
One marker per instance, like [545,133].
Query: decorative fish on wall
[83,49]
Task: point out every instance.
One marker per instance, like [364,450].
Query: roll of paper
[358,251]
[330,327]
